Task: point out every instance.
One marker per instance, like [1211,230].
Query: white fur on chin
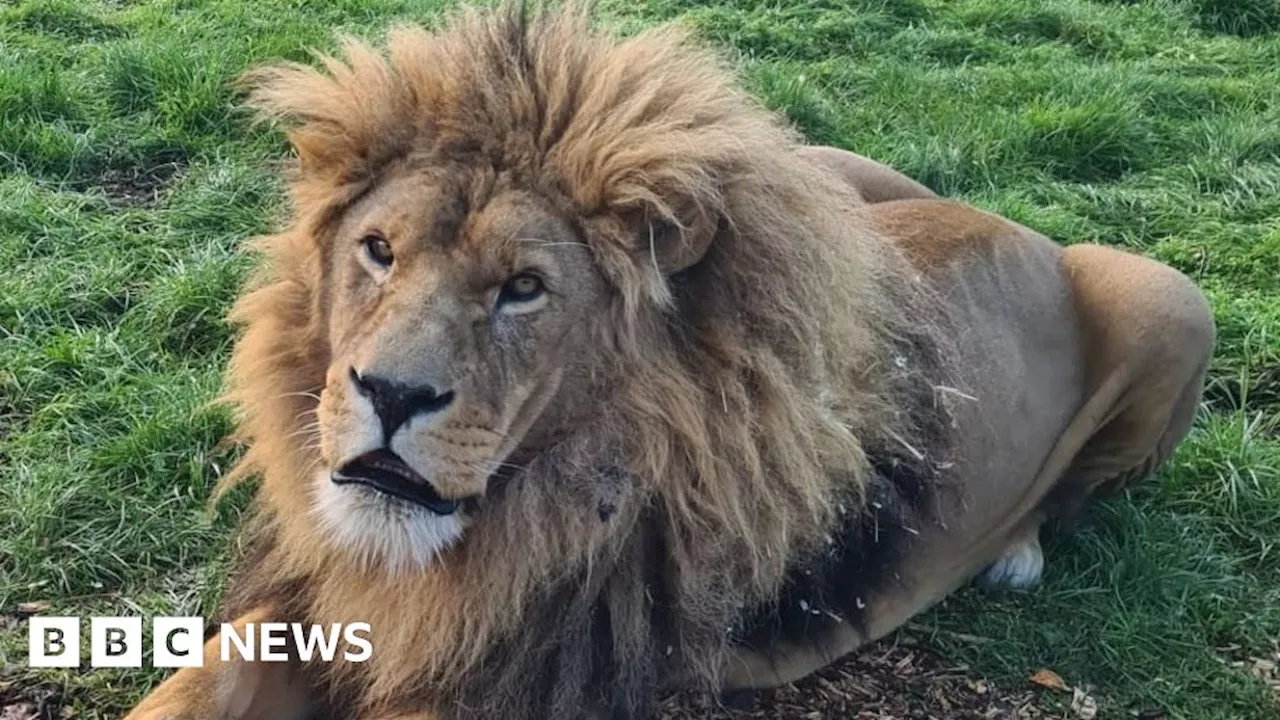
[381,530]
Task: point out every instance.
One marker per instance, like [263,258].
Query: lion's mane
[749,404]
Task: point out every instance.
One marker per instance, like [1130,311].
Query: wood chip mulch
[896,679]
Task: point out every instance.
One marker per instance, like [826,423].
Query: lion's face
[452,330]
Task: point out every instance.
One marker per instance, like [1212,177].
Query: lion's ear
[343,122]
[677,241]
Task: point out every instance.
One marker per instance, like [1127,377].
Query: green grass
[128,178]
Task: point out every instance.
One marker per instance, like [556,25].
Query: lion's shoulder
[934,233]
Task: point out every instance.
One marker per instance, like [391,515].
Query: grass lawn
[128,179]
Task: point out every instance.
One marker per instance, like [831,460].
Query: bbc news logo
[116,642]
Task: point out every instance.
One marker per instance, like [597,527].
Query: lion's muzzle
[397,403]
[384,471]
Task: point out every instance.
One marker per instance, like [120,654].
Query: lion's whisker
[501,464]
[301,393]
[547,243]
[309,429]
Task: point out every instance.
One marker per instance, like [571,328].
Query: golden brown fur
[757,367]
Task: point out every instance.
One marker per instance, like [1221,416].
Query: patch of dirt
[139,186]
[898,679]
[1224,389]
[66,22]
[10,419]
[29,704]
[21,699]
[23,711]
[1265,667]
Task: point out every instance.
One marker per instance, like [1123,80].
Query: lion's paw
[1019,567]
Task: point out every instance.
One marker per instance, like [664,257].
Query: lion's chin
[379,530]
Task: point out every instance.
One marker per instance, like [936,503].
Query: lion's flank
[747,388]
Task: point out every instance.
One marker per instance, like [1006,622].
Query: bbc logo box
[54,641]
[115,642]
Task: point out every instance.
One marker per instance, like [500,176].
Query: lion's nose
[396,402]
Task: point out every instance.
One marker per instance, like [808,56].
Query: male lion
[580,382]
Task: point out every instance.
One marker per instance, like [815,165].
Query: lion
[579,378]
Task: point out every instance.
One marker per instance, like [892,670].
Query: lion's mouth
[384,471]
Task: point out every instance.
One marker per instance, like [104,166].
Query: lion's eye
[521,288]
[378,250]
